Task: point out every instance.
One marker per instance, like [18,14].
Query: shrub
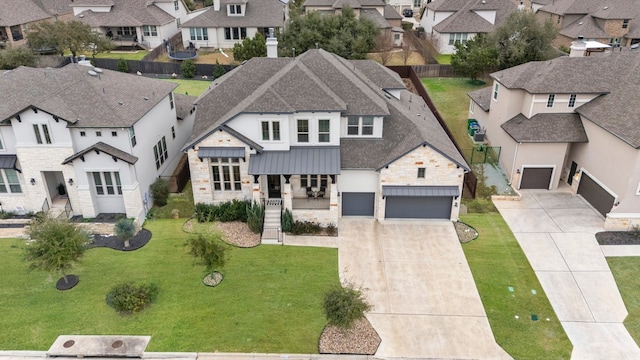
[123,66]
[332,230]
[228,211]
[635,232]
[287,220]
[344,305]
[6,214]
[160,192]
[208,252]
[130,298]
[188,69]
[125,229]
[218,70]
[255,217]
[14,57]
[305,227]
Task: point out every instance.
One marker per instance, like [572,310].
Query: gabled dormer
[236,8]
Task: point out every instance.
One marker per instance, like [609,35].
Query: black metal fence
[158,68]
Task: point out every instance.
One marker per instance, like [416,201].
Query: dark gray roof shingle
[466,17]
[258,13]
[482,97]
[107,149]
[12,13]
[546,128]
[184,104]
[126,13]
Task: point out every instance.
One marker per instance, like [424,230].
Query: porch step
[272,227]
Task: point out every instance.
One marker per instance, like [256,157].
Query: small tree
[208,252]
[383,47]
[218,70]
[250,48]
[123,66]
[406,53]
[17,56]
[73,36]
[344,305]
[160,192]
[125,229]
[188,69]
[475,57]
[57,245]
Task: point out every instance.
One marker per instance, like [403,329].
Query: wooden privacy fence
[435,70]
[175,40]
[423,47]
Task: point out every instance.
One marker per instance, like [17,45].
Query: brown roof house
[570,121]
[228,22]
[449,21]
[382,14]
[87,141]
[15,18]
[612,22]
[325,138]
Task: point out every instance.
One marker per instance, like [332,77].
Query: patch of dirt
[465,232]
[213,279]
[207,57]
[397,59]
[618,238]
[360,339]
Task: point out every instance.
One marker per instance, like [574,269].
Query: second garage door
[536,178]
[423,207]
[358,204]
[595,194]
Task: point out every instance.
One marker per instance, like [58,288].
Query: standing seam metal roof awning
[417,191]
[296,161]
[8,161]
[220,152]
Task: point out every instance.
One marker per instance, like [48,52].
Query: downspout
[513,166]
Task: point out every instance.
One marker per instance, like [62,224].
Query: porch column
[255,189]
[287,194]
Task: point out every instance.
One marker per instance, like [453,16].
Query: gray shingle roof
[126,13]
[390,13]
[258,13]
[339,83]
[338,4]
[482,97]
[56,7]
[376,17]
[107,149]
[465,18]
[113,99]
[12,13]
[546,128]
[586,26]
[184,104]
[615,76]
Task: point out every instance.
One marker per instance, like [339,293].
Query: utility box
[478,136]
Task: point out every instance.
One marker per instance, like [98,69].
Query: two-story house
[616,23]
[87,140]
[228,22]
[325,137]
[382,14]
[15,18]
[131,22]
[571,120]
[449,21]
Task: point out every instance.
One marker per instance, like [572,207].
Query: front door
[273,183]
[572,172]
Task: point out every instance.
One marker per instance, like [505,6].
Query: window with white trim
[496,87]
[173,132]
[572,100]
[160,152]
[114,133]
[1,143]
[625,23]
[199,33]
[417,3]
[270,130]
[226,174]
[303,130]
[360,125]
[421,172]
[171,99]
[107,183]
[42,133]
[176,5]
[235,9]
[324,128]
[150,30]
[235,33]
[178,23]
[98,133]
[313,181]
[132,136]
[458,38]
[9,181]
[472,107]
[550,100]
[126,30]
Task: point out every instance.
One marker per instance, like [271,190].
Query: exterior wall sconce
[70,182]
[518,171]
[32,181]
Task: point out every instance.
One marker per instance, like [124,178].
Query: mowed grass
[450,97]
[626,271]
[126,55]
[270,299]
[497,262]
[190,87]
[443,59]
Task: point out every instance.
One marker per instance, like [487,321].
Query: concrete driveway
[425,302]
[555,229]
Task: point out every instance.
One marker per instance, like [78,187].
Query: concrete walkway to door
[425,302]
[555,229]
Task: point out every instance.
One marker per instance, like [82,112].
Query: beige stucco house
[571,120]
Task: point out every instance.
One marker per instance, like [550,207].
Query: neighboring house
[130,22]
[401,5]
[87,141]
[326,138]
[383,15]
[15,18]
[612,22]
[449,21]
[228,22]
[570,120]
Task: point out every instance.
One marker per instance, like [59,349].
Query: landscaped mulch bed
[465,232]
[617,238]
[361,339]
[72,280]
[114,242]
[235,233]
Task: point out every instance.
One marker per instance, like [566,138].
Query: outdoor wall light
[518,171]
[32,181]
[70,181]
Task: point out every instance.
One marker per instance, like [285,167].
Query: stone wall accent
[323,217]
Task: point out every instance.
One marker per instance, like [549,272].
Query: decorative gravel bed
[465,232]
[360,339]
[617,238]
[235,233]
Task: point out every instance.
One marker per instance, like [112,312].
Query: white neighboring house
[228,22]
[127,22]
[449,21]
[87,141]
[324,137]
[400,5]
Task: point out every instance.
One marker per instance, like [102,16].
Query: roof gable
[258,13]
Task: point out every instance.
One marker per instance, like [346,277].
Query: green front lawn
[443,59]
[126,55]
[625,271]
[269,301]
[190,87]
[497,263]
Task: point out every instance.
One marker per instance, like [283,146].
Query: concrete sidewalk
[425,301]
[556,230]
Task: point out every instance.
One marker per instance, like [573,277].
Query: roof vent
[146,98]
[97,70]
[92,73]
[605,8]
[120,103]
[580,23]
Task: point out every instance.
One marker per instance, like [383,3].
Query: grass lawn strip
[190,87]
[625,272]
[497,263]
[270,300]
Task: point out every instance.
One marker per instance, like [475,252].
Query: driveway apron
[425,302]
[556,230]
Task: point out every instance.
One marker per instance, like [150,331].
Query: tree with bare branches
[406,53]
[383,46]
